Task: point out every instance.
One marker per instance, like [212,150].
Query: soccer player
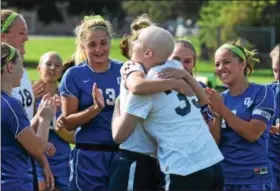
[14,32]
[172,119]
[185,52]
[137,152]
[50,69]
[245,110]
[18,140]
[90,108]
[274,142]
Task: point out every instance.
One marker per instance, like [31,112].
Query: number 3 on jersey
[111,94]
[183,111]
[26,98]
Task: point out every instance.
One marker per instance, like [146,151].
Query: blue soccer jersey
[15,162]
[247,162]
[78,82]
[274,146]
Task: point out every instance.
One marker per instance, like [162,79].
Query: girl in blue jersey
[50,69]
[245,111]
[274,143]
[18,138]
[90,108]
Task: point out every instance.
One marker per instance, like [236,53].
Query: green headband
[12,54]
[96,18]
[8,22]
[235,49]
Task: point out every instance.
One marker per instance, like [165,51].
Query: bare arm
[173,73]
[73,118]
[67,136]
[35,146]
[249,130]
[122,125]
[35,122]
[202,97]
[138,84]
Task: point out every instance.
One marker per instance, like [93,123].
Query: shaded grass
[65,46]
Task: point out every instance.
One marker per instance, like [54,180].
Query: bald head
[52,55]
[159,40]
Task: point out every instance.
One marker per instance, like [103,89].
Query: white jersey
[24,93]
[185,144]
[138,141]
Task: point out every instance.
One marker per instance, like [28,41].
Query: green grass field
[65,46]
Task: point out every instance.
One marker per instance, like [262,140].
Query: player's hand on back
[174,73]
[97,97]
[183,87]
[178,74]
[39,88]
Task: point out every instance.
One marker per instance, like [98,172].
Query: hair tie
[251,54]
[8,21]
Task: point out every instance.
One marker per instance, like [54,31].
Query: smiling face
[184,55]
[228,67]
[97,46]
[50,68]
[17,35]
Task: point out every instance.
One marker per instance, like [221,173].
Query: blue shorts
[89,170]
[248,187]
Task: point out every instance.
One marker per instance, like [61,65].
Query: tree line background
[218,21]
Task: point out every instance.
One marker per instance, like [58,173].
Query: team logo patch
[119,80]
[248,102]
